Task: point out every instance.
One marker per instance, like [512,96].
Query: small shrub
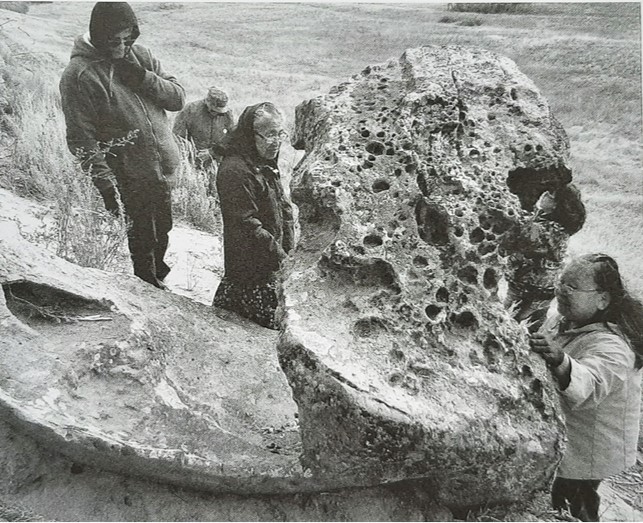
[471,22]
[170,5]
[190,200]
[491,8]
[16,7]
[448,19]
[86,234]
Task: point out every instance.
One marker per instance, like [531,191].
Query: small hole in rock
[432,311]
[376,148]
[381,185]
[420,261]
[476,235]
[490,278]
[465,319]
[442,294]
[373,240]
[468,274]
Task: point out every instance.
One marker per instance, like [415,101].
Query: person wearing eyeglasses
[113,88]
[258,227]
[594,348]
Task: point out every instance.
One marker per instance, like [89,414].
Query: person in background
[594,348]
[113,88]
[258,228]
[208,123]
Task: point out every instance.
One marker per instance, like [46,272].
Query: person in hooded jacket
[258,227]
[113,87]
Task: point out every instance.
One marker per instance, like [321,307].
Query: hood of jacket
[242,139]
[109,18]
[83,48]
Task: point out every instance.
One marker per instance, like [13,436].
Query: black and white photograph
[321,261]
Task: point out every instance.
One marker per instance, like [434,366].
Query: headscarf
[242,139]
[109,18]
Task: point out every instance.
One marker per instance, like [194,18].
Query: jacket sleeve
[181,124]
[604,364]
[162,88]
[241,193]
[230,125]
[81,118]
[288,224]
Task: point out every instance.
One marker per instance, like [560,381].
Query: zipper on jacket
[156,142]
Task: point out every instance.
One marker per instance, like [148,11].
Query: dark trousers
[579,496]
[149,210]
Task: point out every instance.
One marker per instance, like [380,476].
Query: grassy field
[585,58]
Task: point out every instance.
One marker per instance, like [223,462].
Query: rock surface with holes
[420,178]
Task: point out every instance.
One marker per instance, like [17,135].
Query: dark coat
[98,107]
[258,228]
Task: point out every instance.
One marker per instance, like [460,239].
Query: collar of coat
[563,327]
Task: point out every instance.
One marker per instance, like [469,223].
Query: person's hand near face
[117,46]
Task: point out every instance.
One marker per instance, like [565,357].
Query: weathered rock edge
[36,477]
[164,388]
[420,179]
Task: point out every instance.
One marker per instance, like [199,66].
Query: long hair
[624,310]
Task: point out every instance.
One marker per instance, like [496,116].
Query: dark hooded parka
[258,228]
[105,98]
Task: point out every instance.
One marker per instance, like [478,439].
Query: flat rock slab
[420,178]
[35,480]
[117,374]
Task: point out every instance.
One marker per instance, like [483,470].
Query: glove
[107,190]
[131,74]
[111,202]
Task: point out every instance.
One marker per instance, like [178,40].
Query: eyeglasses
[279,136]
[115,42]
[568,289]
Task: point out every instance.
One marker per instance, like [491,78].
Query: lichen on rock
[419,186]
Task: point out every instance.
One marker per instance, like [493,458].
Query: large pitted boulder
[419,182]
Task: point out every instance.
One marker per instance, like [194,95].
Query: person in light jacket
[113,88]
[208,123]
[258,227]
[594,347]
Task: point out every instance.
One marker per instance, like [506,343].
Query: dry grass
[40,167]
[190,200]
